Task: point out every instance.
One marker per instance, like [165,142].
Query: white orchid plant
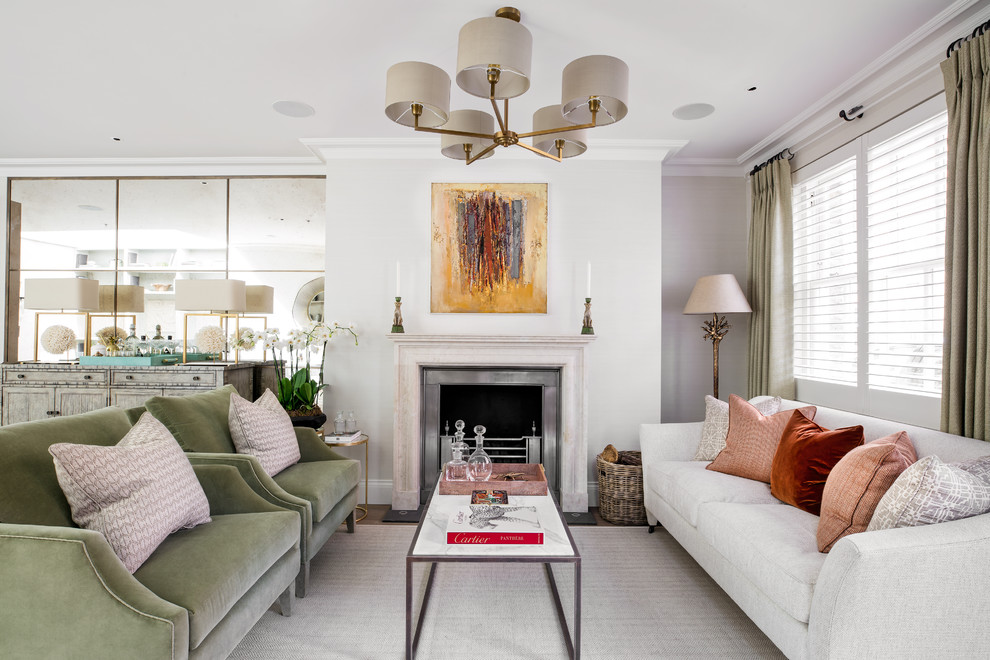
[298,391]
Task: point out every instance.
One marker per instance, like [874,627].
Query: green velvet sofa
[65,594]
[321,487]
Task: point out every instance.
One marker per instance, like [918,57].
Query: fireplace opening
[519,409]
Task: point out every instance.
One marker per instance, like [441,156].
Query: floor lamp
[714,294]
[60,295]
[221,298]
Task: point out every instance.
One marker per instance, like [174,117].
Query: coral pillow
[805,456]
[263,429]
[716,425]
[135,493]
[752,440]
[856,484]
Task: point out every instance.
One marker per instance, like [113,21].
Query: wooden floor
[377,511]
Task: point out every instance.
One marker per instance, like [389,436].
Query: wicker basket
[620,490]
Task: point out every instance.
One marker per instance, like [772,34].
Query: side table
[332,441]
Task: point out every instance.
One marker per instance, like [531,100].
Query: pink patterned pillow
[135,493]
[263,429]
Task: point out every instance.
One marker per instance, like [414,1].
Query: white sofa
[917,592]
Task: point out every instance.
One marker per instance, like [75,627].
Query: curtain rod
[979,31]
[771,159]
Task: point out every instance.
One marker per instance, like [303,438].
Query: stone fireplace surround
[566,352]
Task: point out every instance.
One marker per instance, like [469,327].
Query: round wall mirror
[308,305]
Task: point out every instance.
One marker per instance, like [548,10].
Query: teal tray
[146,361]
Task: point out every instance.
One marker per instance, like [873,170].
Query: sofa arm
[258,480]
[64,589]
[228,492]
[920,587]
[312,448]
[669,442]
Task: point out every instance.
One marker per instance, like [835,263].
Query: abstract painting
[489,252]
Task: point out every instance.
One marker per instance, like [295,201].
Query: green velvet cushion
[198,421]
[29,490]
[323,483]
[208,568]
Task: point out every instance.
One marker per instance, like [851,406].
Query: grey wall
[704,232]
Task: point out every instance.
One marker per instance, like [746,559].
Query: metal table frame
[413,633]
[361,440]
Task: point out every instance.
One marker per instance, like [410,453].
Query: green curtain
[965,361]
[771,292]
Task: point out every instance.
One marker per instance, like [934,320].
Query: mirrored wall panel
[136,237]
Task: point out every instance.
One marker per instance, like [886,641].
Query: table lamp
[260,301]
[221,298]
[67,295]
[714,294]
[122,300]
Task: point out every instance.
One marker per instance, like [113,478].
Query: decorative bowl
[161,287]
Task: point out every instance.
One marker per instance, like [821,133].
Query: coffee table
[429,545]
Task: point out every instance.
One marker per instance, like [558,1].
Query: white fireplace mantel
[565,352]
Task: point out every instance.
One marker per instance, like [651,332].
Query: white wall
[606,212]
[705,232]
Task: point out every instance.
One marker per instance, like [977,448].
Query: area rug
[642,597]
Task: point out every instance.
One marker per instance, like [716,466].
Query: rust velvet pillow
[858,482]
[752,440]
[806,454]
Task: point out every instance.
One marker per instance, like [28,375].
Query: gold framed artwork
[489,248]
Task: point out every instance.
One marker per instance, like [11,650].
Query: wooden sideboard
[38,390]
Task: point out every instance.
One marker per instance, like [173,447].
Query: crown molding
[902,66]
[328,149]
[225,166]
[724,167]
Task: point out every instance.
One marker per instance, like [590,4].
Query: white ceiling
[197,78]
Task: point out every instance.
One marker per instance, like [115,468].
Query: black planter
[309,421]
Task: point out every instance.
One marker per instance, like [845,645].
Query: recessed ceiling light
[293,109]
[693,111]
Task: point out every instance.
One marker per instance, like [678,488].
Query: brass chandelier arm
[444,131]
[538,151]
[480,154]
[571,127]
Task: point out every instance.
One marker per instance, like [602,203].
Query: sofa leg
[350,523]
[285,601]
[652,529]
[302,579]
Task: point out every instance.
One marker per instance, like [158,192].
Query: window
[869,240]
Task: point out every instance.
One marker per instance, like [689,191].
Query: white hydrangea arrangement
[57,339]
[245,341]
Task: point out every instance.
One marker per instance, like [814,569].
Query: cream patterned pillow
[263,429]
[716,425]
[930,491]
[135,493]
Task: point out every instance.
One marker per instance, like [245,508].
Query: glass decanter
[479,463]
[457,467]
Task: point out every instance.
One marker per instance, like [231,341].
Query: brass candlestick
[715,330]
[586,325]
[397,316]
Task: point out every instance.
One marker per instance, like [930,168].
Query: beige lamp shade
[494,41]
[62,293]
[260,299]
[473,121]
[210,295]
[130,298]
[601,76]
[575,142]
[717,294]
[417,82]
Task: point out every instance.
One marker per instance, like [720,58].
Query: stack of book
[494,524]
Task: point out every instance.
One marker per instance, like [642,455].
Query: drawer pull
[21,376]
[88,377]
[129,377]
[195,377]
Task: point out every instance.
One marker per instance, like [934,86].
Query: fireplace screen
[518,407]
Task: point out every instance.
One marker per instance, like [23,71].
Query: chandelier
[493,62]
